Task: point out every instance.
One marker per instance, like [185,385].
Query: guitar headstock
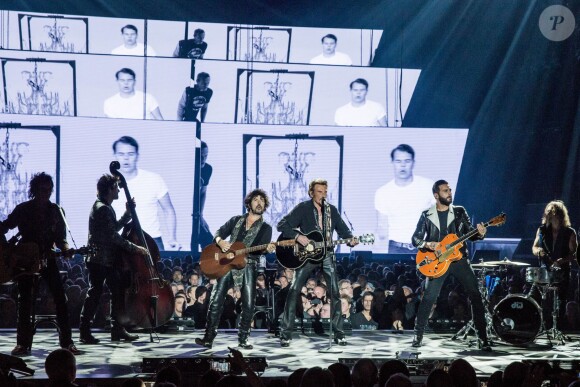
[367,239]
[498,220]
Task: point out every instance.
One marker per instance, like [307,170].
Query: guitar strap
[253,233]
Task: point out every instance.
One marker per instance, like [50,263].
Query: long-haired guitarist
[252,230]
[308,216]
[435,223]
[555,246]
[40,222]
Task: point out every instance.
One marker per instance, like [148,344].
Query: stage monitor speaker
[14,364]
[197,366]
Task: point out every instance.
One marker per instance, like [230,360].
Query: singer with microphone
[316,214]
[555,246]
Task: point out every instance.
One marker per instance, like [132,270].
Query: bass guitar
[293,257]
[215,263]
[434,264]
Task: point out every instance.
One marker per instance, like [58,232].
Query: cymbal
[483,264]
[507,262]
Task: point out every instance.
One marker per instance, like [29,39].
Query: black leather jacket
[428,230]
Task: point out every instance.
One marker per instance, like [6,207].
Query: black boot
[119,333]
[85,335]
[417,339]
[484,345]
[243,340]
[207,340]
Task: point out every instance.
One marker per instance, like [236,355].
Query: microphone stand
[329,349]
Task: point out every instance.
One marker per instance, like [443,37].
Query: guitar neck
[334,243]
[468,235]
[259,247]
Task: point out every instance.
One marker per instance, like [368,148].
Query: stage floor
[123,360]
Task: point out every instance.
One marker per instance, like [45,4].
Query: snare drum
[517,319]
[541,275]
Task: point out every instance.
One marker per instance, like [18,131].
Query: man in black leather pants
[436,223]
[308,216]
[250,229]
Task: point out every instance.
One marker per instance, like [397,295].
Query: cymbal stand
[554,333]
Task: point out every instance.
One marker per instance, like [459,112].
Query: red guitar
[434,264]
[214,263]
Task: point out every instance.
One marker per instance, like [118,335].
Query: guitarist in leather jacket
[41,222]
[436,223]
[308,216]
[252,230]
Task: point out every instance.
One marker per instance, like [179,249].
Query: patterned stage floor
[121,360]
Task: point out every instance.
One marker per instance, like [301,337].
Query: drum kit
[517,318]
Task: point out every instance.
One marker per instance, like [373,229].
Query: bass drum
[517,319]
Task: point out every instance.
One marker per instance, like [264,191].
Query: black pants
[98,274]
[464,274]
[248,290]
[51,276]
[300,277]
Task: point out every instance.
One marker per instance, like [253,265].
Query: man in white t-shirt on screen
[329,54]
[131,103]
[150,192]
[399,202]
[130,45]
[360,111]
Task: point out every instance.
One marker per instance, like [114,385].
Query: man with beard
[252,230]
[435,223]
[316,214]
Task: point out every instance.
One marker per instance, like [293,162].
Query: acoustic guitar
[434,264]
[215,263]
[296,255]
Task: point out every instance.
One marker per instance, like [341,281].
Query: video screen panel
[32,31]
[166,154]
[356,162]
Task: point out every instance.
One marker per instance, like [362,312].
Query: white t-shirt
[138,50]
[130,107]
[403,206]
[338,58]
[147,188]
[368,114]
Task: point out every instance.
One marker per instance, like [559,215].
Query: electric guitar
[296,255]
[434,264]
[25,259]
[215,263]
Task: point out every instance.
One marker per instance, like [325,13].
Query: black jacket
[305,217]
[428,229]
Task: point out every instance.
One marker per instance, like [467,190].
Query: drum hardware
[517,319]
[507,262]
[553,333]
[470,326]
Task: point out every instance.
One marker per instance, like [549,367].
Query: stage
[107,363]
